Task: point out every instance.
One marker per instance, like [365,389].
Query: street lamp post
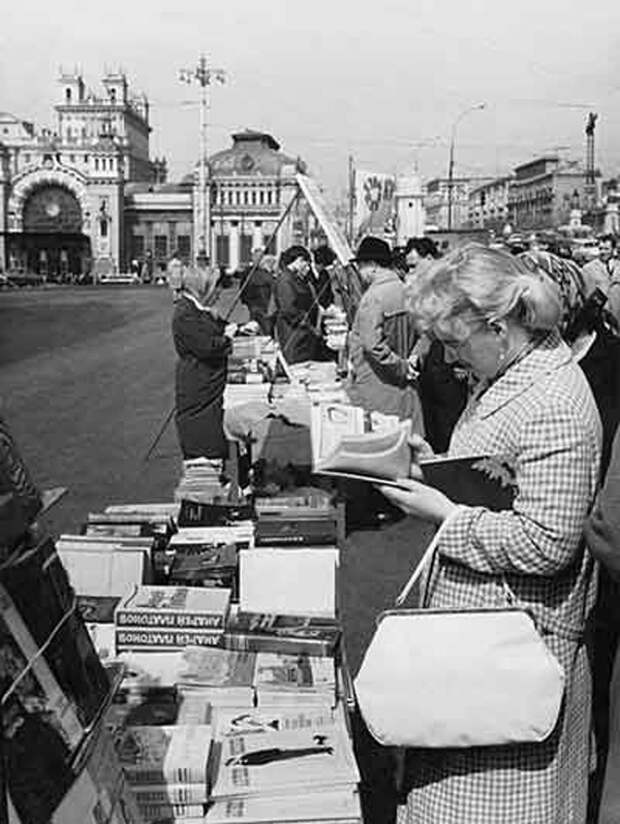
[204,76]
[475,108]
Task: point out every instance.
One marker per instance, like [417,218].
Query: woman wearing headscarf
[202,340]
[532,405]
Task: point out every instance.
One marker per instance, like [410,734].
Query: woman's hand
[419,499]
[230,330]
[420,449]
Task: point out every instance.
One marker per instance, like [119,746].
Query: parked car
[25,279]
[120,278]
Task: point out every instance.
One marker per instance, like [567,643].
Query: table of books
[166,666]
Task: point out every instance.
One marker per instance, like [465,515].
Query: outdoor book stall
[163,662]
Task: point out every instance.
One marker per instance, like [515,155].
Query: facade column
[257,235]
[234,247]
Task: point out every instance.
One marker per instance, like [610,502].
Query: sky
[383,81]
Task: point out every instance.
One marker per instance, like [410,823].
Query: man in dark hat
[381,339]
[297,311]
[256,292]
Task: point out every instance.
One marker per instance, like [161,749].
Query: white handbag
[458,678]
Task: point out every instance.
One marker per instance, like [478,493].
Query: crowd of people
[484,351]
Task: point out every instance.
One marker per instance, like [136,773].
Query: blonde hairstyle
[474,284]
[200,282]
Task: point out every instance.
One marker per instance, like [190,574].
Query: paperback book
[161,754]
[293,634]
[283,679]
[170,607]
[224,677]
[325,807]
[139,638]
[279,763]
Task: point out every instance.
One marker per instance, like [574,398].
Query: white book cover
[257,720]
[279,763]
[150,670]
[337,806]
[285,581]
[103,572]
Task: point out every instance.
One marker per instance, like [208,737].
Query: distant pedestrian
[256,289]
[297,312]
[203,341]
[174,272]
[604,273]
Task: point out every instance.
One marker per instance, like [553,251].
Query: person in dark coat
[297,310]
[602,533]
[202,341]
[324,261]
[256,292]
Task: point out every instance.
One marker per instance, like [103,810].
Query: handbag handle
[427,558]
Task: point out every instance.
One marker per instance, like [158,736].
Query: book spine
[168,794]
[183,620]
[151,812]
[249,642]
[132,638]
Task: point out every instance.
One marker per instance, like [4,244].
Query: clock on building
[52,208]
[246,163]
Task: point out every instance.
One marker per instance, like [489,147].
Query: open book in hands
[385,457]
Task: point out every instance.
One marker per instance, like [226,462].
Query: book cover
[194,514]
[281,672]
[326,807]
[217,668]
[269,580]
[295,528]
[285,762]
[136,638]
[239,721]
[149,671]
[35,582]
[476,480]
[157,709]
[173,608]
[157,755]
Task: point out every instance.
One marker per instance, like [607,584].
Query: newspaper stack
[284,680]
[202,480]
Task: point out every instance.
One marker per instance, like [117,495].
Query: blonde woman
[202,341]
[532,403]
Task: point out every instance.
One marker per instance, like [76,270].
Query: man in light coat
[604,273]
[381,339]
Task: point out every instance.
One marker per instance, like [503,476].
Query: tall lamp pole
[204,76]
[465,112]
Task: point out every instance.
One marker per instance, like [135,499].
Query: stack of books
[283,679]
[294,520]
[202,480]
[102,569]
[270,770]
[167,768]
[170,617]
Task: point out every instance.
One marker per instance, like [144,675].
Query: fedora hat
[373,250]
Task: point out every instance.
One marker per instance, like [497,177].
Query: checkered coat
[542,414]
